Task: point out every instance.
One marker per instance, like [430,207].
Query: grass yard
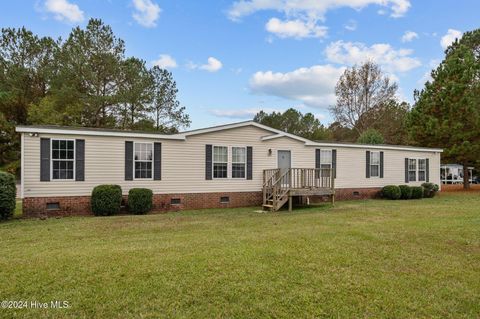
[360,259]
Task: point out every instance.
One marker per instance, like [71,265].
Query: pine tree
[447,111]
[169,115]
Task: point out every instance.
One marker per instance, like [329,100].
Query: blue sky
[233,58]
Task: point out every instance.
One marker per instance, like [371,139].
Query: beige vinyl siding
[183,164]
[351,166]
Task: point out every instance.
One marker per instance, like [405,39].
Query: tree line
[84,80]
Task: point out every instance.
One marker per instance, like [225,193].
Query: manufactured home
[239,164]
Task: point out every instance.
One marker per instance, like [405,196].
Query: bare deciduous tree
[361,90]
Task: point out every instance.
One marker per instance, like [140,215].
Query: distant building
[453,174]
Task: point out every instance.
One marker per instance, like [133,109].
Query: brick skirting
[357,193]
[69,205]
[80,205]
[349,194]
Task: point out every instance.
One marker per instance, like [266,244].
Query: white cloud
[146,12]
[313,9]
[448,38]
[314,86]
[409,36]
[165,61]
[213,65]
[351,25]
[295,28]
[391,60]
[241,113]
[64,10]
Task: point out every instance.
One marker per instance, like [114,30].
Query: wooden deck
[280,185]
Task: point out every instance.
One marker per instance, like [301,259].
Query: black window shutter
[44,159]
[79,160]
[157,161]
[406,170]
[208,162]
[317,163]
[249,162]
[128,160]
[367,164]
[334,163]
[381,164]
[427,167]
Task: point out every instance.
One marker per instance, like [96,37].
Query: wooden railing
[299,177]
[278,182]
[269,178]
[310,178]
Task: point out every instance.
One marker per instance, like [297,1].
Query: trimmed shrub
[106,200]
[140,200]
[8,194]
[417,192]
[391,192]
[406,191]
[429,190]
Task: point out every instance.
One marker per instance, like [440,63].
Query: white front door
[284,159]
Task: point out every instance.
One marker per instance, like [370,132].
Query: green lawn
[360,259]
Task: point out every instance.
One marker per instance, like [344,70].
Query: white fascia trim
[380,147]
[279,133]
[243,124]
[215,128]
[271,137]
[21,129]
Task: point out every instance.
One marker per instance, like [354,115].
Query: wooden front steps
[280,185]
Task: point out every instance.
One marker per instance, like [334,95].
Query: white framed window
[422,170]
[143,160]
[220,162]
[239,162]
[325,162]
[374,164]
[412,170]
[62,159]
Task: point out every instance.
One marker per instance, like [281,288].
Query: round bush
[391,192]
[417,192]
[429,190]
[8,194]
[140,200]
[106,200]
[406,191]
